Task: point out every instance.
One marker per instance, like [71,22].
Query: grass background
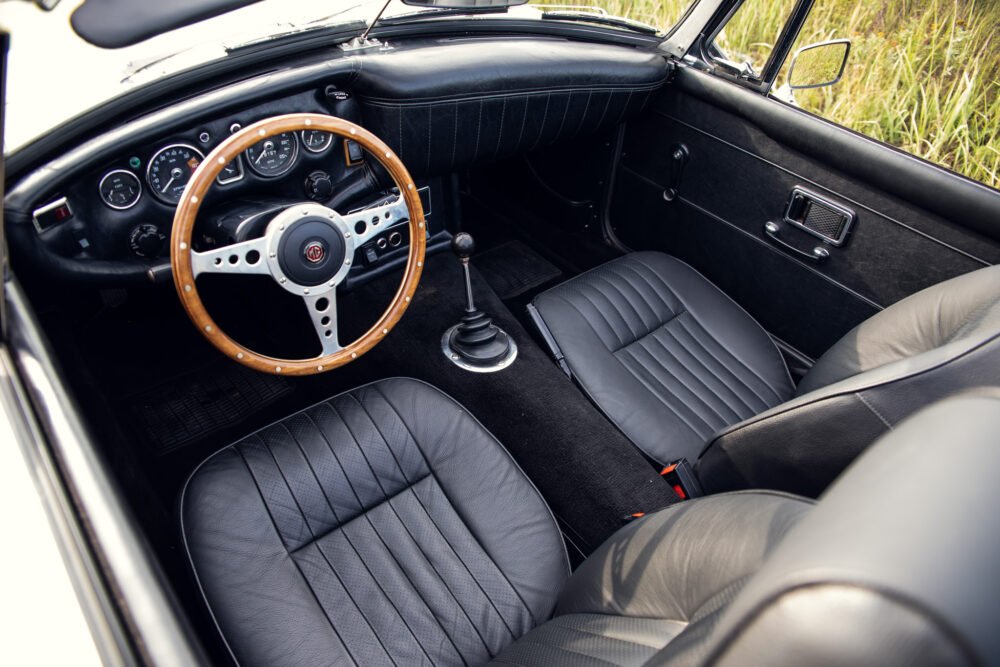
[923,75]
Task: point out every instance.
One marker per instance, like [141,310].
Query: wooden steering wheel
[307,248]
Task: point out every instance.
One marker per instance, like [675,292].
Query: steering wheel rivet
[407,299]
[409,186]
[184,246]
[239,355]
[208,328]
[187,288]
[354,355]
[385,332]
[277,369]
[262,132]
[309,121]
[353,131]
[194,199]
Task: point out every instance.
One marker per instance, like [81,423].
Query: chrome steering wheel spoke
[323,313]
[367,223]
[246,257]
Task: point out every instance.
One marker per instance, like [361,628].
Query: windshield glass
[54,75]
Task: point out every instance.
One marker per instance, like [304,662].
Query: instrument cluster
[170,167]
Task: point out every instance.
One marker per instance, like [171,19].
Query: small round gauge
[316,141]
[273,156]
[120,189]
[170,170]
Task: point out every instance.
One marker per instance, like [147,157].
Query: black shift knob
[463,245]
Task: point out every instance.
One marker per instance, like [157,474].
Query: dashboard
[102,211]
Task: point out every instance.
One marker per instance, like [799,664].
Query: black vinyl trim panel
[898,173]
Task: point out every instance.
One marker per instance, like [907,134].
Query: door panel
[743,161]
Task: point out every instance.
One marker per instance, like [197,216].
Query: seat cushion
[382,526]
[657,587]
[664,353]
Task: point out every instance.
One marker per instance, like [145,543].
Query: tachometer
[170,170]
[120,189]
[273,156]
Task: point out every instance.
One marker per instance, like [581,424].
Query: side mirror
[819,65]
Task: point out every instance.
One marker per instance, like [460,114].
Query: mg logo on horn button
[315,252]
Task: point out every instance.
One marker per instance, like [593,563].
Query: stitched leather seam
[873,410]
[657,318]
[503,114]
[526,92]
[704,366]
[677,306]
[465,566]
[305,579]
[524,119]
[479,130]
[607,103]
[688,387]
[624,111]
[594,285]
[562,649]
[736,359]
[637,374]
[347,538]
[364,563]
[555,622]
[454,139]
[600,314]
[545,117]
[413,538]
[502,574]
[586,110]
[752,410]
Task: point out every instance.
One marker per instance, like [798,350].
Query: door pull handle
[818,255]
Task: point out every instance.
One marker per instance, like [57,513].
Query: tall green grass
[923,75]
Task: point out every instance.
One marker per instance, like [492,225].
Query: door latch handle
[818,255]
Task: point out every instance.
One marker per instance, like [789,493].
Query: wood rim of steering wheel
[187,212]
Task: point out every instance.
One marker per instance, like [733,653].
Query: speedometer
[170,170]
[273,156]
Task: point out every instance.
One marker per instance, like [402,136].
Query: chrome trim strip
[150,616]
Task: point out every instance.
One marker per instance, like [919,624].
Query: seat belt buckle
[680,476]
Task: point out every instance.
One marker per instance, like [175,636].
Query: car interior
[536,349]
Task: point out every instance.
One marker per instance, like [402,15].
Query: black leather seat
[685,372]
[385,526]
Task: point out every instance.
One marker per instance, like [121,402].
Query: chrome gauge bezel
[322,149]
[234,179]
[291,161]
[100,189]
[152,161]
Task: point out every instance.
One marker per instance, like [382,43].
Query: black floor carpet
[194,405]
[590,474]
[513,268]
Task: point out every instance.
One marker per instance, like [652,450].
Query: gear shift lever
[475,343]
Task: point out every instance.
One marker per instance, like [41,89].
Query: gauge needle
[168,184]
[260,157]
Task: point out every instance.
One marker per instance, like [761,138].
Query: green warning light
[135,162]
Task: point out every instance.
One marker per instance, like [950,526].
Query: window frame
[706,50]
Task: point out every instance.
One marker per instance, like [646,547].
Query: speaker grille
[824,221]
